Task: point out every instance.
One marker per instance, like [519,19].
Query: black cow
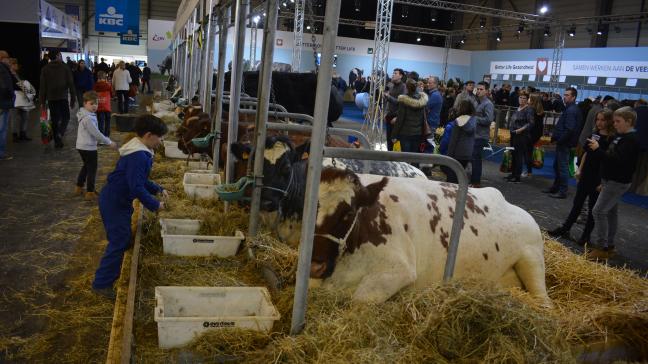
[294,91]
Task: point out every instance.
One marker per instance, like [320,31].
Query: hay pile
[596,302]
[460,322]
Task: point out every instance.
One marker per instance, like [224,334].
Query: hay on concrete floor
[460,322]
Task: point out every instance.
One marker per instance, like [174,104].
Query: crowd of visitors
[609,141]
[62,87]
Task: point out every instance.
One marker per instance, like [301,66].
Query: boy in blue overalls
[127,182]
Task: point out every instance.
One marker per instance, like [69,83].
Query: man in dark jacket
[485,115]
[83,81]
[395,89]
[8,84]
[56,82]
[103,66]
[146,78]
[565,135]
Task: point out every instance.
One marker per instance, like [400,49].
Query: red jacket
[105,92]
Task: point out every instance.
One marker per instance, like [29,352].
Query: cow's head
[277,168]
[341,199]
[194,127]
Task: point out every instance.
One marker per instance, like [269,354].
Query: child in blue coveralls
[127,182]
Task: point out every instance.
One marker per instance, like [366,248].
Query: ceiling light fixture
[482,22]
[572,31]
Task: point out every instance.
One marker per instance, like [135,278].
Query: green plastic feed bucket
[204,141]
[233,191]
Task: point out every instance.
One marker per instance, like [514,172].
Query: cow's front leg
[380,286]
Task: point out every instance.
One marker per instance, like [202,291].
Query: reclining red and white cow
[377,235]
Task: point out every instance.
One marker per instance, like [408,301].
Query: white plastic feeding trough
[198,165]
[201,185]
[180,237]
[182,313]
[171,150]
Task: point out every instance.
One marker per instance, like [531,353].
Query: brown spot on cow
[485,256]
[472,206]
[433,197]
[406,227]
[429,207]
[486,208]
[451,209]
[497,246]
[444,238]
[394,198]
[474,230]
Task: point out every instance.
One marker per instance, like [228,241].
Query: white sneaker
[524,175]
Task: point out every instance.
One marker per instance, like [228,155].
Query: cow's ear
[240,151]
[368,195]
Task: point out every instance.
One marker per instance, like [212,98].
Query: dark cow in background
[376,235]
[294,91]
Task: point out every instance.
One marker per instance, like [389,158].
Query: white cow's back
[495,236]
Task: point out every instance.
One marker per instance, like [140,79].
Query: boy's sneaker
[91,196]
[107,292]
[78,191]
[6,157]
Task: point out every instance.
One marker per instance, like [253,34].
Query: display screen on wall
[532,77]
[505,77]
[631,82]
[546,78]
[610,81]
[518,77]
[592,80]
[562,78]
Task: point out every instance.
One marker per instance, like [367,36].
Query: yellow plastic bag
[397,146]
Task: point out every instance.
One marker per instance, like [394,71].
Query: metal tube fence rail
[329,36]
[265,82]
[309,128]
[236,81]
[220,84]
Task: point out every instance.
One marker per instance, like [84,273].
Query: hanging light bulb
[498,37]
[482,22]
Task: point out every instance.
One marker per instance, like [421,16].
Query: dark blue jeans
[410,143]
[475,177]
[103,121]
[60,117]
[561,169]
[4,126]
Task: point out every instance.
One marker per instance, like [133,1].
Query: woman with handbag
[535,102]
[520,128]
[410,119]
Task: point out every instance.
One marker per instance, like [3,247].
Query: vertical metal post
[298,35]
[374,122]
[253,44]
[263,94]
[220,84]
[208,58]
[235,84]
[315,164]
[192,56]
[185,64]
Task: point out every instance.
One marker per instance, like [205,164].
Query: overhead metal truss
[298,35]
[372,25]
[475,9]
[582,21]
[373,126]
[556,60]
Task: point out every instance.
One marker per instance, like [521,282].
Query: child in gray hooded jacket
[88,135]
